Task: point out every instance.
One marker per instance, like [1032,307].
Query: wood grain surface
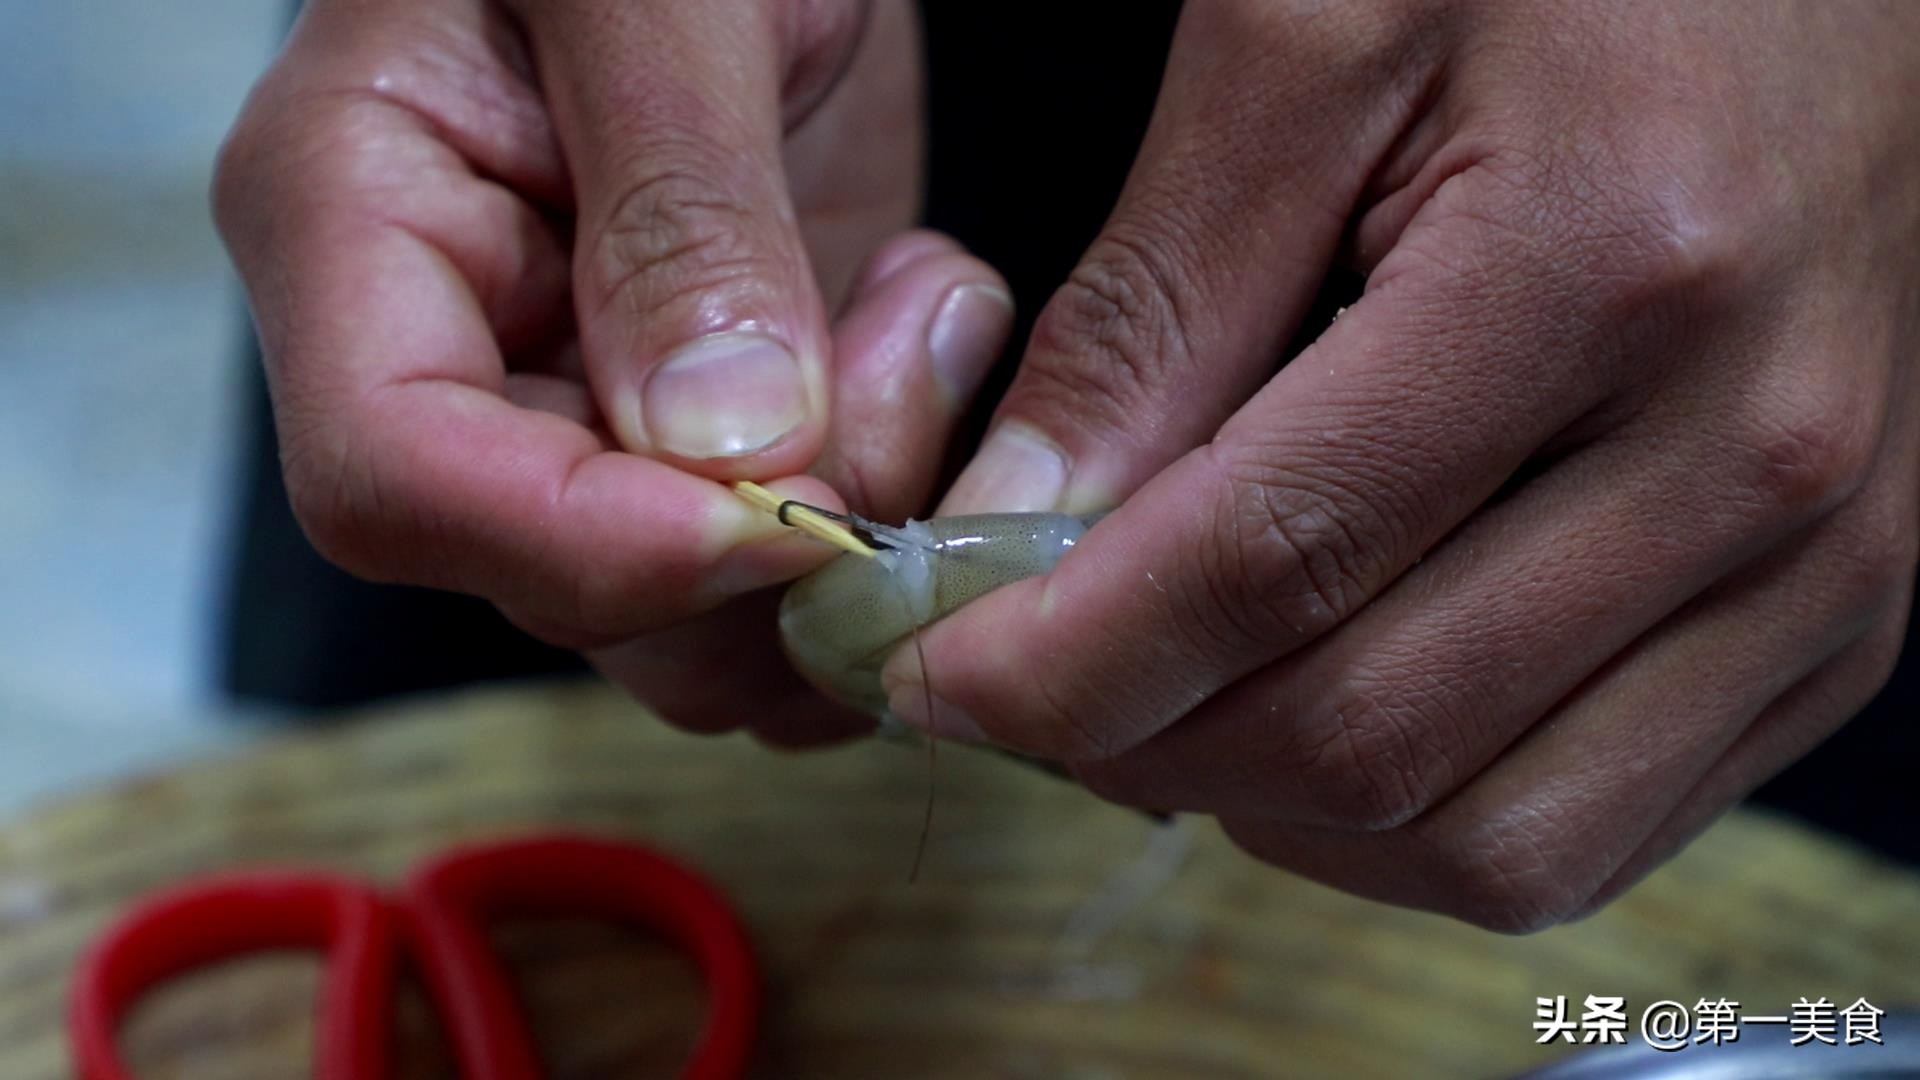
[1227,969]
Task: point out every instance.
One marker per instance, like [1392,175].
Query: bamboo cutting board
[992,965]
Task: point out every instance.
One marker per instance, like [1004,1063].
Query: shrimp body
[841,622]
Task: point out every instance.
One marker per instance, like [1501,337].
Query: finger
[425,61]
[701,326]
[561,396]
[910,353]
[1426,685]
[856,164]
[354,115]
[1874,547]
[1880,549]
[426,474]
[1786,732]
[691,675]
[888,258]
[915,342]
[379,316]
[1474,345]
[1265,131]
[1541,831]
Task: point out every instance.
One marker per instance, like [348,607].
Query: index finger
[421,471]
[378,278]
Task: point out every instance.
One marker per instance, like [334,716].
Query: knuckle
[1626,253]
[251,169]
[1875,549]
[1706,230]
[1811,449]
[1292,565]
[1662,237]
[331,502]
[673,235]
[233,177]
[360,511]
[1505,876]
[1615,239]
[1383,761]
[1110,339]
[1882,648]
[1689,247]
[1852,679]
[1362,776]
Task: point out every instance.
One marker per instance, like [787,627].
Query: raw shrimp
[841,622]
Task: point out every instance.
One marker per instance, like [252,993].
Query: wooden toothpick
[802,517]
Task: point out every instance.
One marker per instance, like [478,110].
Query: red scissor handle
[450,900]
[224,917]
[441,919]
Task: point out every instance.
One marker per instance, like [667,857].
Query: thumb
[1266,129]
[701,326]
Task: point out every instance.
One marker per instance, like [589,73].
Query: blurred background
[122,382]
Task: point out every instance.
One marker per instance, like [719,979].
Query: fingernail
[1017,469]
[908,702]
[724,395]
[965,336]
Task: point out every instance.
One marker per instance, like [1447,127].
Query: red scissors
[437,921]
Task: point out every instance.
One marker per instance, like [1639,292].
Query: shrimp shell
[841,622]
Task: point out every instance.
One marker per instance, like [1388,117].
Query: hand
[726,668]
[532,278]
[1597,509]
